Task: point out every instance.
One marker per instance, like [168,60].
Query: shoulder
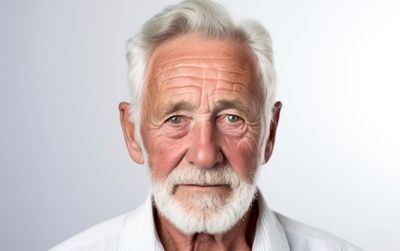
[103,235]
[303,237]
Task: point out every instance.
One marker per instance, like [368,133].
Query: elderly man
[203,118]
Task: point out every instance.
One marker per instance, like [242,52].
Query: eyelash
[223,116]
[181,125]
[226,116]
[170,119]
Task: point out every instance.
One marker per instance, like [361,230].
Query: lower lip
[204,187]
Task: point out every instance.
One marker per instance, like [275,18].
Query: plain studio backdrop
[64,166]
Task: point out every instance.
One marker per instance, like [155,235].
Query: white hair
[208,18]
[207,212]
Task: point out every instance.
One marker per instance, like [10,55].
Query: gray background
[64,166]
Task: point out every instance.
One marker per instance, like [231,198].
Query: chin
[204,212]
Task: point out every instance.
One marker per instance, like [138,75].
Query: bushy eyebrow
[177,106]
[220,105]
[232,104]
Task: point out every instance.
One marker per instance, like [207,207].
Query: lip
[206,185]
[203,187]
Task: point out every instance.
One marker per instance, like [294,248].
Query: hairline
[243,32]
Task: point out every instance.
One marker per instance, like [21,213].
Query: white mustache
[219,175]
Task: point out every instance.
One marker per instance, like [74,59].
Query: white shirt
[135,231]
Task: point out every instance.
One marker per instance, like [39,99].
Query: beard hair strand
[209,212]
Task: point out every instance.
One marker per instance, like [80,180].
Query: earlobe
[272,131]
[128,128]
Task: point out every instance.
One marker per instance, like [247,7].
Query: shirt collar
[270,235]
[139,232]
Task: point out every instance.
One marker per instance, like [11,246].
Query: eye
[232,118]
[176,119]
[231,125]
[176,126]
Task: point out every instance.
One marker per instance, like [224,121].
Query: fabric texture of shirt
[135,231]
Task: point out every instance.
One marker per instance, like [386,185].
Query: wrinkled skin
[203,106]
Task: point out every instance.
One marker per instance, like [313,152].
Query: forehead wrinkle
[209,66]
[232,87]
[176,82]
[184,88]
[202,71]
[190,59]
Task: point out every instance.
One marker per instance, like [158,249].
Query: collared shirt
[135,231]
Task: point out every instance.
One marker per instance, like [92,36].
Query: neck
[240,237]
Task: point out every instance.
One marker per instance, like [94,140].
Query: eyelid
[225,117]
[233,115]
[184,117]
[178,129]
[231,128]
[168,119]
[174,116]
[228,112]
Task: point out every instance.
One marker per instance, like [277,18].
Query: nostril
[221,157]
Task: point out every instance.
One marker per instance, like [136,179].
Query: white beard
[205,212]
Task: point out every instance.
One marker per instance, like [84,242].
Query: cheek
[164,155]
[242,154]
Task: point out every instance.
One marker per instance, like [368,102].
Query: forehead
[193,45]
[222,53]
[190,61]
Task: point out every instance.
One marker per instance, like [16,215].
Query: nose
[204,151]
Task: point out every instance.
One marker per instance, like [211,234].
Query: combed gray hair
[205,17]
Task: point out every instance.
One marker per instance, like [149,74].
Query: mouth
[203,187]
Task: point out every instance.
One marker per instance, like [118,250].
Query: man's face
[203,112]
[203,106]
[202,129]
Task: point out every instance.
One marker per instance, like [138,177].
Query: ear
[272,131]
[128,128]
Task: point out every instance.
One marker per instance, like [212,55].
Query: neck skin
[240,237]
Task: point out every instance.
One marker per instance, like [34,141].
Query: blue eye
[232,118]
[175,119]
